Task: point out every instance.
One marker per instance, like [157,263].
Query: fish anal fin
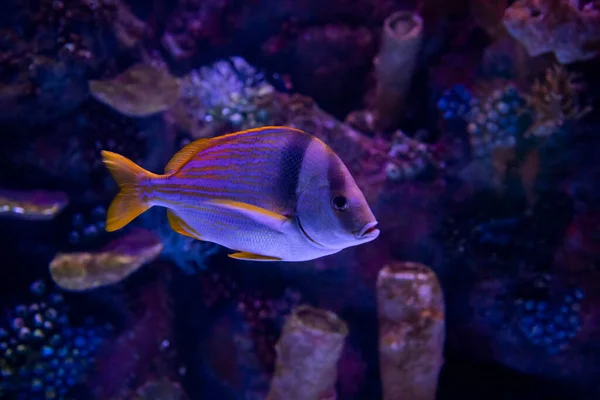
[243,255]
[180,226]
[185,154]
[263,216]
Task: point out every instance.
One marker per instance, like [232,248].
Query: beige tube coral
[308,351]
[394,66]
[411,331]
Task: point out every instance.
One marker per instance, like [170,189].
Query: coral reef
[554,101]
[307,354]
[261,312]
[140,91]
[229,94]
[548,321]
[49,49]
[557,26]
[189,254]
[36,205]
[409,157]
[496,191]
[141,351]
[160,389]
[455,103]
[43,353]
[411,338]
[87,227]
[493,121]
[121,258]
[394,66]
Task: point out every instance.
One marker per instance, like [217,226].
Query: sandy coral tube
[307,355]
[412,330]
[394,66]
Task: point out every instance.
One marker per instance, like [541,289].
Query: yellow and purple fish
[271,194]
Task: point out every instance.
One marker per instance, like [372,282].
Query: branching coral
[228,94]
[553,101]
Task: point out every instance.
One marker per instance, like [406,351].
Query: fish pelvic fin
[131,201]
[244,255]
[180,226]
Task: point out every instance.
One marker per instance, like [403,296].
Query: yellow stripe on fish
[271,194]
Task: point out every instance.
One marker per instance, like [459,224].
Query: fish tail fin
[129,202]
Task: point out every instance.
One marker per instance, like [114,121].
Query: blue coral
[549,321]
[42,353]
[87,228]
[494,121]
[455,102]
[187,253]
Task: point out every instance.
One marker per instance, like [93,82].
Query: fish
[274,193]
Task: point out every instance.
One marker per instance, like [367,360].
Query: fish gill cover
[470,127]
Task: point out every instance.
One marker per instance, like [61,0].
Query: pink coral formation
[561,27]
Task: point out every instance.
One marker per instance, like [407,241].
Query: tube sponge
[308,351]
[394,66]
[411,331]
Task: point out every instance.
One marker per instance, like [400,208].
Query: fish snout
[369,231]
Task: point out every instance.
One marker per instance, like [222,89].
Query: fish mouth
[368,231]
[306,234]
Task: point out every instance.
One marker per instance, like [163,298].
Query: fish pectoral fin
[243,255]
[180,226]
[265,217]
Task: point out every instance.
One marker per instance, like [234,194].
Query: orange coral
[554,100]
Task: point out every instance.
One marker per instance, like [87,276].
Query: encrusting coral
[561,27]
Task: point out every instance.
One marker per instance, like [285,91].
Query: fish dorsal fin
[185,154]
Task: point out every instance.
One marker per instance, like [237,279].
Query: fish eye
[340,203]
